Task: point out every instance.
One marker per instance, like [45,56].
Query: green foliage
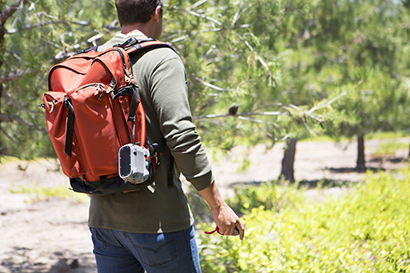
[362,47]
[376,105]
[267,195]
[289,65]
[230,59]
[364,231]
[38,35]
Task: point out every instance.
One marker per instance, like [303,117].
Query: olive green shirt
[160,76]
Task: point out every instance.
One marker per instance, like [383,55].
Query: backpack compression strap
[70,127]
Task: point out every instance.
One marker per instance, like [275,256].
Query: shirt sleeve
[170,100]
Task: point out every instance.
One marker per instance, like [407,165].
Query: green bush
[268,195]
[367,230]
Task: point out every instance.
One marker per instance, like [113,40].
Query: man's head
[134,12]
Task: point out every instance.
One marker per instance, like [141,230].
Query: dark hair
[135,11]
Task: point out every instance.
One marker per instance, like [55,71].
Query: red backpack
[96,121]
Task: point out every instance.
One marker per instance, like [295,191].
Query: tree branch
[8,12]
[328,103]
[236,16]
[198,15]
[197,4]
[51,22]
[243,114]
[212,85]
[11,77]
[254,52]
[10,118]
[194,33]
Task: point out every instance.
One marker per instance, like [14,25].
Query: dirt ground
[52,235]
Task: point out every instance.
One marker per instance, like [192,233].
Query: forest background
[258,71]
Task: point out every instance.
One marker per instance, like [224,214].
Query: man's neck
[143,29]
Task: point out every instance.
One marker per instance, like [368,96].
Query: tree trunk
[2,146]
[5,13]
[408,154]
[361,163]
[288,161]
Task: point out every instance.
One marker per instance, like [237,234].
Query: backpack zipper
[98,88]
[124,66]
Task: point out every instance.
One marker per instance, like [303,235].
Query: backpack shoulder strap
[138,48]
[133,45]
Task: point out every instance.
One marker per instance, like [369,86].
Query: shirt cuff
[202,181]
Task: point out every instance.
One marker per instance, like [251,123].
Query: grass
[376,135]
[391,148]
[41,193]
[387,135]
[8,159]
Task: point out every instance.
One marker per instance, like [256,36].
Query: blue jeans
[125,252]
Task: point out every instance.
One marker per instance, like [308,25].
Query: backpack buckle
[128,43]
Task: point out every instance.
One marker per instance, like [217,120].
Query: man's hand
[224,217]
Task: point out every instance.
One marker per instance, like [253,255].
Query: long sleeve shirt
[160,76]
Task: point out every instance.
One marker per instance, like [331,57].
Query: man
[152,229]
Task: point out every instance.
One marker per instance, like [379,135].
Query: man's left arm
[224,217]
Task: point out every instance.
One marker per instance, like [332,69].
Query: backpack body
[92,109]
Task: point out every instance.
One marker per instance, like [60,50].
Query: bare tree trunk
[288,161]
[361,163]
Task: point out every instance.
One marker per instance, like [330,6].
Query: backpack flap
[56,120]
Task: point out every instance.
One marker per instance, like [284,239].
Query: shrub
[367,230]
[268,195]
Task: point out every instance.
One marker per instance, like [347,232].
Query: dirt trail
[52,235]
